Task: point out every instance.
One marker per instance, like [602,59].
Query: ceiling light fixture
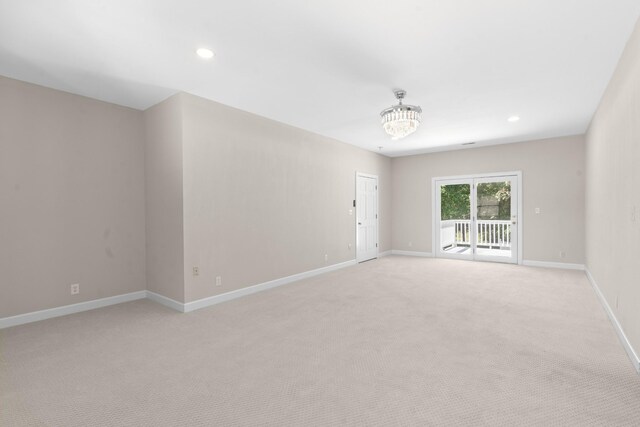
[513,119]
[401,120]
[205,53]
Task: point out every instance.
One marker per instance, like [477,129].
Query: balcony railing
[491,234]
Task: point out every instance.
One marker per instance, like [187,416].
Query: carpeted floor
[397,341]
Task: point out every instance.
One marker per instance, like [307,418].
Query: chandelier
[401,120]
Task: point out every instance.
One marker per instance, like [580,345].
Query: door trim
[355,213]
[518,174]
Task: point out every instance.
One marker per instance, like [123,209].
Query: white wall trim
[49,313]
[35,316]
[383,254]
[635,360]
[412,253]
[567,266]
[549,264]
[166,301]
[217,299]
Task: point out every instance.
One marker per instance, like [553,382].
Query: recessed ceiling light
[513,119]
[205,53]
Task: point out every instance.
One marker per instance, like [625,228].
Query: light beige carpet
[398,341]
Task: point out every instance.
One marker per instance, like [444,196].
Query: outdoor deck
[493,237]
[480,251]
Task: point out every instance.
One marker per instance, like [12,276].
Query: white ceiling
[329,66]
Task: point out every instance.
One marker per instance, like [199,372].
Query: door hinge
[376,245]
[354,203]
[376,187]
[376,216]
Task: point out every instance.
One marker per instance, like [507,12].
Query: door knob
[359,223]
[513,222]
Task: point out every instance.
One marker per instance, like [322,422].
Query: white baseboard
[548,264]
[383,254]
[35,316]
[217,299]
[412,253]
[166,301]
[616,325]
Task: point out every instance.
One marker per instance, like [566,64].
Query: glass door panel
[496,219]
[454,221]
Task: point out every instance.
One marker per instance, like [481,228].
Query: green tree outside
[456,201]
[499,192]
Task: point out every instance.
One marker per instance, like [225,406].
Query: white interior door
[366,217]
[477,218]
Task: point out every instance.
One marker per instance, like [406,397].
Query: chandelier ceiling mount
[401,120]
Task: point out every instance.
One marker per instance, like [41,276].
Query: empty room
[325,213]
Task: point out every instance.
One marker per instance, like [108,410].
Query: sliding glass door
[476,218]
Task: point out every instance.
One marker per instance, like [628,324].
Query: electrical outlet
[196,271]
[537,210]
[563,254]
[326,257]
[218,280]
[75,288]
[349,246]
[410,244]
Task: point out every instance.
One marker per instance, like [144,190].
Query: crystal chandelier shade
[401,120]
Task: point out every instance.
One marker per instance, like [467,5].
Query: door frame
[517,174]
[355,213]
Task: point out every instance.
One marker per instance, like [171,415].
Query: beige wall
[72,198]
[552,175]
[237,195]
[613,195]
[164,218]
[263,200]
[119,200]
